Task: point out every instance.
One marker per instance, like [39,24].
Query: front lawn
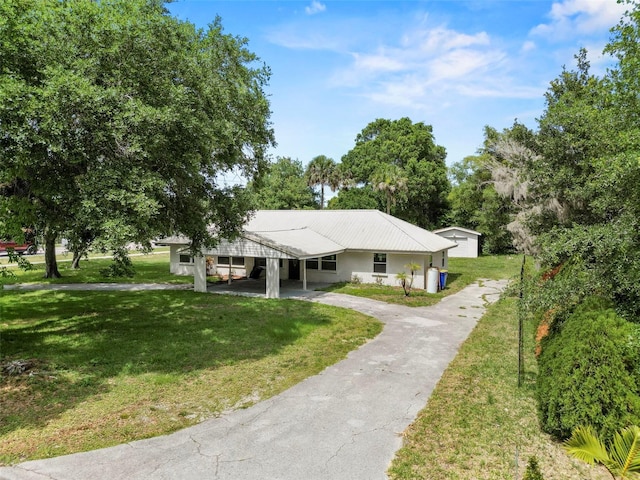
[103,368]
[151,268]
[461,273]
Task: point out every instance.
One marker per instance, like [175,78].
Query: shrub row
[589,372]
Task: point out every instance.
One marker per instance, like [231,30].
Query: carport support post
[199,273]
[304,274]
[273,278]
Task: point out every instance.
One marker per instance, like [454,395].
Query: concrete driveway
[344,423]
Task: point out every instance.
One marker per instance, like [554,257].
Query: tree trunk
[51,264]
[77,255]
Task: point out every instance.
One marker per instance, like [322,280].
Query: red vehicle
[28,248]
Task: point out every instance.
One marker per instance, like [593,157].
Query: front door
[294,269]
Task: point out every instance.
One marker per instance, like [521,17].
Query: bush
[588,373]
[533,470]
[121,266]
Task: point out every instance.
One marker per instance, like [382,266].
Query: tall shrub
[588,373]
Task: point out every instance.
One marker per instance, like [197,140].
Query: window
[186,258]
[237,261]
[380,263]
[262,262]
[329,263]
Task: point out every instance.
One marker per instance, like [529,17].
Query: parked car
[29,248]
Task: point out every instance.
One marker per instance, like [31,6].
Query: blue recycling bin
[443,279]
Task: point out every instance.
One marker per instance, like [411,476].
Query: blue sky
[457,65]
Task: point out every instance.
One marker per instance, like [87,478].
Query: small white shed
[467,241]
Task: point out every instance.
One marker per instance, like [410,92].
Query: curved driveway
[344,423]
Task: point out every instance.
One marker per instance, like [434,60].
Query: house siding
[467,242]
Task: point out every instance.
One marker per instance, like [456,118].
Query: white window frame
[185,253]
[234,262]
[377,262]
[320,261]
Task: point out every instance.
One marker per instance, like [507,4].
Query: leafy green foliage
[357,198]
[119,122]
[587,373]
[475,204]
[121,266]
[533,470]
[410,149]
[621,458]
[323,171]
[283,187]
[406,281]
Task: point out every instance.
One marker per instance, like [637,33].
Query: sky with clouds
[456,65]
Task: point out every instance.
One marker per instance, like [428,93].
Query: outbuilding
[467,241]
[325,246]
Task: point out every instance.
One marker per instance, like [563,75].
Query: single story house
[467,241]
[316,246]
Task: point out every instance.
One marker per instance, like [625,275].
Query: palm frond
[625,452]
[585,445]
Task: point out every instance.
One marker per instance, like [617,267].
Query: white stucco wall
[175,266]
[348,265]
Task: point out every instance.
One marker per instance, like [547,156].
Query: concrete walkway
[344,423]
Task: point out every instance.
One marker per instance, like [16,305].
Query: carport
[292,244]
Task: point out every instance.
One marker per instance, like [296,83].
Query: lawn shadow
[83,339]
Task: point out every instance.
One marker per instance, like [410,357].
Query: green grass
[477,417]
[111,367]
[149,269]
[461,273]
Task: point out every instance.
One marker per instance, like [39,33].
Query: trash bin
[443,279]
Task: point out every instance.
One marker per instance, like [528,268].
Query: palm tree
[621,459]
[322,171]
[390,179]
[407,281]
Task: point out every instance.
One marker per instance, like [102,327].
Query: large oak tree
[118,122]
[411,149]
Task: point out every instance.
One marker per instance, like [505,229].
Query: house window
[329,263]
[380,263]
[262,262]
[186,258]
[237,261]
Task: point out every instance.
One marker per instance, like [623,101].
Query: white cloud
[528,46]
[426,66]
[315,7]
[584,17]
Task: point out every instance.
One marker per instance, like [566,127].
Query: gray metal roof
[316,233]
[449,229]
[300,243]
[363,230]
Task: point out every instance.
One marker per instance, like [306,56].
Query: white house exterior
[325,246]
[467,241]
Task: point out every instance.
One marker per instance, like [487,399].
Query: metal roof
[466,230]
[316,233]
[363,230]
[299,243]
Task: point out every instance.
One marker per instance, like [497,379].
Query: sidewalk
[344,423]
